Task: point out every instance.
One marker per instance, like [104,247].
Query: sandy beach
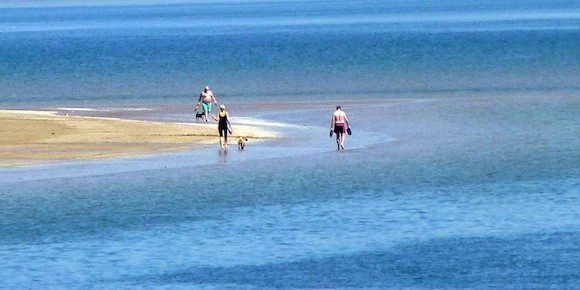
[39,137]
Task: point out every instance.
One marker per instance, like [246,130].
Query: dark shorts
[339,128]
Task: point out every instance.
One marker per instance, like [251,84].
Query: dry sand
[37,137]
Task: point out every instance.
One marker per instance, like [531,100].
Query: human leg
[206,110]
[339,130]
[220,137]
[225,138]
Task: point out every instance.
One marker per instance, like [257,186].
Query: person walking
[206,97]
[339,125]
[223,126]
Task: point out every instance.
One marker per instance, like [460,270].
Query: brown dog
[242,143]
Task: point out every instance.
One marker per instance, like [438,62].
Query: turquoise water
[462,171]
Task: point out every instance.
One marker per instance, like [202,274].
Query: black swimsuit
[223,125]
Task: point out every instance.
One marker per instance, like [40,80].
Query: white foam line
[261,122]
[103,109]
[29,112]
[76,109]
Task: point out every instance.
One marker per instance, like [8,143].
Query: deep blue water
[129,53]
[462,172]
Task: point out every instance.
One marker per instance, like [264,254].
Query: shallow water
[438,202]
[462,171]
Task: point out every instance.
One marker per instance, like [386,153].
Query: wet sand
[39,137]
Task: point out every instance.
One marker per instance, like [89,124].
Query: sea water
[462,171]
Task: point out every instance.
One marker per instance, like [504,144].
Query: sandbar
[30,137]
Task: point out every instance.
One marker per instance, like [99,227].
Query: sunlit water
[462,171]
